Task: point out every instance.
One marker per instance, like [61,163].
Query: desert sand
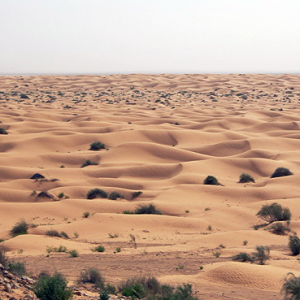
[164,134]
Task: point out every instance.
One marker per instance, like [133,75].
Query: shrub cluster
[260,255]
[98,193]
[144,210]
[96,146]
[274,212]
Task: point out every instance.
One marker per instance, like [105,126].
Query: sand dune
[163,135]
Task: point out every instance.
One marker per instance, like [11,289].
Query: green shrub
[99,249]
[279,228]
[261,255]
[211,180]
[52,287]
[243,257]
[86,214]
[147,209]
[115,196]
[291,287]
[274,212]
[294,244]
[92,275]
[244,178]
[88,163]
[96,193]
[96,146]
[23,96]
[279,172]
[17,268]
[20,227]
[73,253]
[104,295]
[3,131]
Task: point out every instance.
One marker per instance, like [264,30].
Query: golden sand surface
[163,135]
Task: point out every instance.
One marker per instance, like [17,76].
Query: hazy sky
[149,36]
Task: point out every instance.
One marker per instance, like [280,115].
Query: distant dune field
[163,135]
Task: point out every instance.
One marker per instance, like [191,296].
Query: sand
[164,134]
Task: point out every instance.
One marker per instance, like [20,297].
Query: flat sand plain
[164,134]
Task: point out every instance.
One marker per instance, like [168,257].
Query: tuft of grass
[243,257]
[99,249]
[88,163]
[96,146]
[52,287]
[19,228]
[3,131]
[92,275]
[147,209]
[17,268]
[115,196]
[245,178]
[279,172]
[211,180]
[86,214]
[73,253]
[96,193]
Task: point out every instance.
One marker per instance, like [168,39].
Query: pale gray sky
[149,36]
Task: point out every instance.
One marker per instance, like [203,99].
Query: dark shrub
[37,176]
[261,254]
[88,163]
[279,172]
[136,194]
[19,228]
[291,287]
[279,228]
[99,249]
[73,253]
[294,244]
[211,180]
[3,259]
[92,275]
[115,196]
[96,193]
[17,268]
[53,232]
[23,96]
[243,257]
[52,287]
[244,178]
[147,209]
[64,235]
[104,295]
[3,131]
[96,146]
[274,212]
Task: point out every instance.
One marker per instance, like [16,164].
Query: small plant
[118,249]
[211,180]
[279,228]
[279,172]
[245,242]
[261,254]
[200,267]
[88,163]
[53,232]
[17,268]
[147,209]
[61,195]
[3,131]
[3,259]
[294,244]
[127,212]
[73,253]
[52,287]
[96,146]
[216,254]
[136,194]
[222,246]
[104,295]
[96,193]
[86,214]
[133,240]
[23,96]
[92,275]
[112,236]
[291,287]
[274,212]
[245,178]
[99,249]
[243,257]
[209,228]
[115,196]
[19,228]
